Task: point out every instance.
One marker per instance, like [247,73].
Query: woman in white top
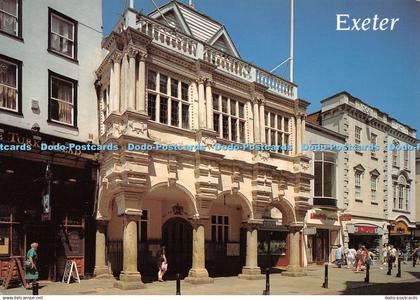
[351,258]
[385,254]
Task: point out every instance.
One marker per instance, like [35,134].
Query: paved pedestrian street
[341,282]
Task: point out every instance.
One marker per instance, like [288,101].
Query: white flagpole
[291,38]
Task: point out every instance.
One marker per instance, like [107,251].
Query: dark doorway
[44,235]
[320,246]
[177,238]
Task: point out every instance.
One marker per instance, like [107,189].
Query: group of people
[358,259]
[32,274]
[352,258]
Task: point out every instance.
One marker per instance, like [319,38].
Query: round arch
[190,199]
[286,208]
[247,211]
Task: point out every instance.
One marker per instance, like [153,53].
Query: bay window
[325,175]
[167,100]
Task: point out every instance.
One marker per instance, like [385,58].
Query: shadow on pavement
[397,288]
[415,274]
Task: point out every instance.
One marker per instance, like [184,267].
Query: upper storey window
[229,118]
[10,72]
[63,35]
[277,130]
[10,17]
[63,97]
[167,100]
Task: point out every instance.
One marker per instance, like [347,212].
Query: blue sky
[380,68]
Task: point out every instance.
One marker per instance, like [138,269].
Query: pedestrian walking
[351,258]
[385,254]
[416,256]
[31,270]
[404,254]
[364,253]
[338,256]
[395,254]
[162,263]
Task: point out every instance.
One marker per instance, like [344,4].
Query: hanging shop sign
[323,215]
[309,230]
[345,217]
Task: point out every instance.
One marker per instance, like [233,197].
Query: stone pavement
[341,281]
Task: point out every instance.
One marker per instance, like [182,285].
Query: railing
[194,48]
[168,37]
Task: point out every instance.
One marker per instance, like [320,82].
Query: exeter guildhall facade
[178,78]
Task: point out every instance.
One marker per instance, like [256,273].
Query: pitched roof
[193,23]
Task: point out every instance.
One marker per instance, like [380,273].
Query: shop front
[321,235]
[48,198]
[367,234]
[273,241]
[401,235]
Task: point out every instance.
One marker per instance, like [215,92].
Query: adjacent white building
[379,184]
[49,51]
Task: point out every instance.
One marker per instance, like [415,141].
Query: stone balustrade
[169,37]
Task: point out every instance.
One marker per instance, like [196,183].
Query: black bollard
[367,272]
[414,260]
[267,281]
[325,284]
[178,284]
[399,267]
[35,288]
[389,266]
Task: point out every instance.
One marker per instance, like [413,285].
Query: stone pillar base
[102,272]
[198,276]
[251,274]
[294,271]
[129,281]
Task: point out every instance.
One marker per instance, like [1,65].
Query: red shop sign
[366,229]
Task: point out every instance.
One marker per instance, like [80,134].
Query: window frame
[373,187]
[143,219]
[357,135]
[269,129]
[18,100]
[231,119]
[373,141]
[323,161]
[19,22]
[169,98]
[52,74]
[224,239]
[358,185]
[65,18]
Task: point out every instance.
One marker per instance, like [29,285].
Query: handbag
[164,266]
[27,263]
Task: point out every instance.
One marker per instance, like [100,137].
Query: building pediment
[359,168]
[187,20]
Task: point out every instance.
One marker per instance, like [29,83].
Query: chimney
[131,4]
[191,4]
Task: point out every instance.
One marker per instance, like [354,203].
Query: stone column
[130,277]
[201,104]
[101,269]
[132,79]
[262,123]
[209,105]
[115,79]
[251,269]
[303,130]
[298,134]
[198,273]
[294,269]
[256,122]
[141,95]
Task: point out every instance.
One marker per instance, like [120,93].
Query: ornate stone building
[175,77]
